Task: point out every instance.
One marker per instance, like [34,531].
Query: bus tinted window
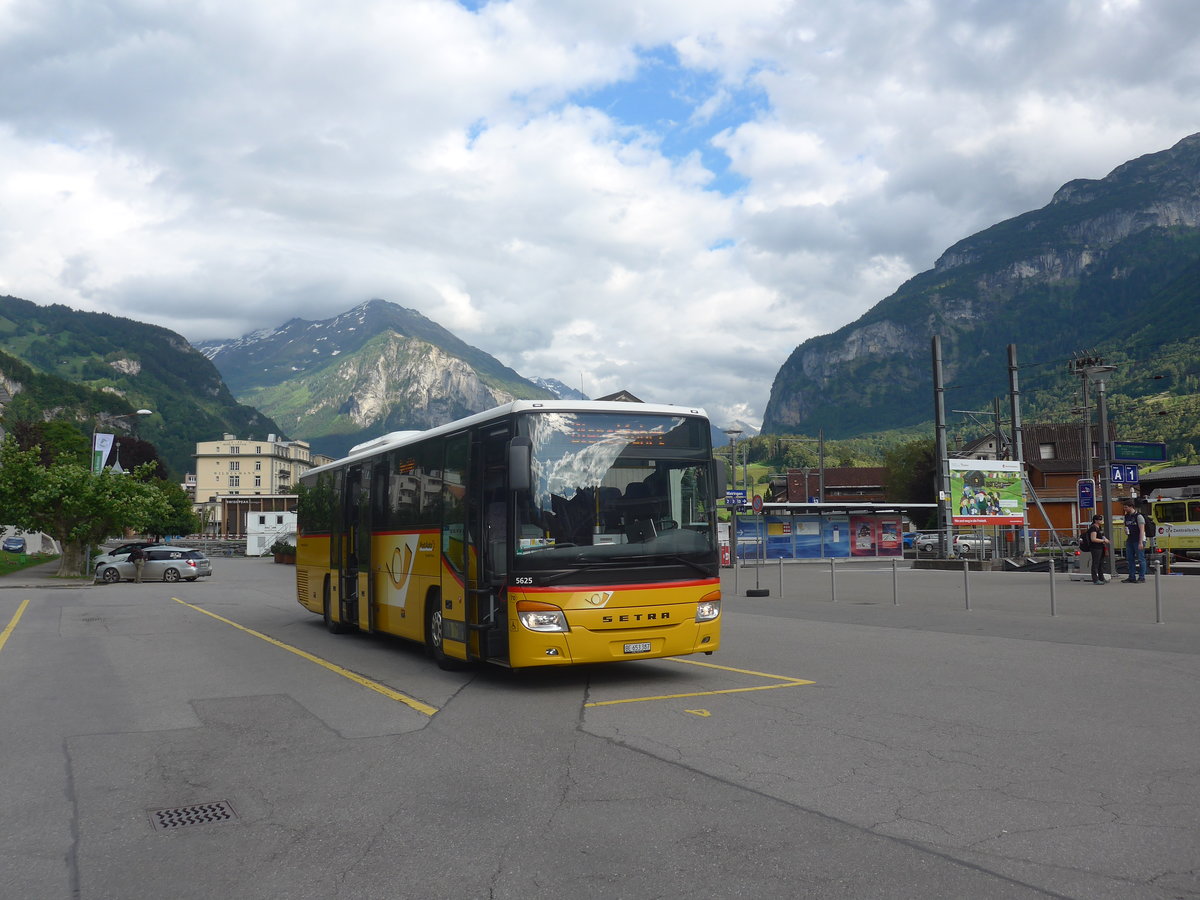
[1171,512]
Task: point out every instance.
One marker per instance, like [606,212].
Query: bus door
[491,535]
[456,550]
[354,546]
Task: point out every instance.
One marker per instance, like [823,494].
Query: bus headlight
[709,607]
[541,616]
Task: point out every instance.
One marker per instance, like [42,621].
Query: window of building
[258,448]
[1048,451]
[233,451]
[258,481]
[279,520]
[258,465]
[235,481]
[262,520]
[234,465]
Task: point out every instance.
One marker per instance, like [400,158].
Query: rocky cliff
[1089,269]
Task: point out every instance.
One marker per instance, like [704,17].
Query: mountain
[82,364]
[1110,264]
[373,369]
[558,389]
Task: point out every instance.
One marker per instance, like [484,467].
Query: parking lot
[886,743]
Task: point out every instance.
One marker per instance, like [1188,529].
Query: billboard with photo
[986,492]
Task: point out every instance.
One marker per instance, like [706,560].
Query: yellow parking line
[13,623]
[787,682]
[388,692]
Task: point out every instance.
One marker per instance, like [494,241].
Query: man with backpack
[137,556]
[1095,541]
[1135,543]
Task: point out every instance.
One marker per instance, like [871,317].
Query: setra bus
[538,533]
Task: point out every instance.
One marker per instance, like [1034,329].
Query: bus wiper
[574,570]
[699,567]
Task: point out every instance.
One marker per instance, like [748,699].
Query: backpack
[1085,539]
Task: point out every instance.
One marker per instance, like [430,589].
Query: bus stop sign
[1086,492]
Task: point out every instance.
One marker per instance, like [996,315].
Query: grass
[15,562]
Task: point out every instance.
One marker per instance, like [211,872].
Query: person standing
[1099,548]
[137,556]
[1135,543]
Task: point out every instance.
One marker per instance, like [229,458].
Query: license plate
[641,647]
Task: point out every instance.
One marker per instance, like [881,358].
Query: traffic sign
[758,503]
[1123,473]
[1086,492]
[735,498]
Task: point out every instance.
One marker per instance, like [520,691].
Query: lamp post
[733,436]
[1098,374]
[101,448]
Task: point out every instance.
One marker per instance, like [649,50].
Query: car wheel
[110,576]
[927,548]
[171,575]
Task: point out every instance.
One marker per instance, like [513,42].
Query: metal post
[1105,493]
[1158,619]
[895,586]
[967,582]
[1053,610]
[942,488]
[1017,437]
[833,577]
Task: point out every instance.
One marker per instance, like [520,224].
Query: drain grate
[184,816]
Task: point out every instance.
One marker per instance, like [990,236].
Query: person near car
[1135,543]
[137,556]
[1099,544]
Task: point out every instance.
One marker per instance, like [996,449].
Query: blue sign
[1086,491]
[735,498]
[1123,473]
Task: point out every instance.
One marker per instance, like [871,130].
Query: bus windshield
[612,488]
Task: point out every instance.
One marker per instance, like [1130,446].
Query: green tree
[911,472]
[69,503]
[179,518]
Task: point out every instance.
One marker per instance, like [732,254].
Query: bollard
[833,577]
[895,586]
[967,582]
[1053,612]
[1158,619]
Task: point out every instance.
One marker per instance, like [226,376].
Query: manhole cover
[184,816]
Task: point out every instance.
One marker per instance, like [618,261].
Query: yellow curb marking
[388,692]
[788,681]
[13,623]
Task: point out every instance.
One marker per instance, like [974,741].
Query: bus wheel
[334,627]
[433,634]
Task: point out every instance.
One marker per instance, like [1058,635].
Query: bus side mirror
[721,479]
[520,453]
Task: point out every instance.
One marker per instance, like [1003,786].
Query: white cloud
[222,167]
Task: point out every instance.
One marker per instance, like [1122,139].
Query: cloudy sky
[659,195]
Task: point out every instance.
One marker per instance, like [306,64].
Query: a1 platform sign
[1085,489]
[1123,473]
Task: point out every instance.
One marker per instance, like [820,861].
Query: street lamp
[101,447]
[733,434]
[1098,373]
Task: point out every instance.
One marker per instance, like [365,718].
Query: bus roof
[401,438]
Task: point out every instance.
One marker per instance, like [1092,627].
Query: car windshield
[610,487]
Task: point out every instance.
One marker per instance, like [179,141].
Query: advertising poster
[986,492]
[837,535]
[891,538]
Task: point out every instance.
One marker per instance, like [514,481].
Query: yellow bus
[538,533]
[1177,524]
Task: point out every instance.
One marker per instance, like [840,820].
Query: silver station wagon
[163,563]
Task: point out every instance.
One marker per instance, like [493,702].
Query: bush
[282,548]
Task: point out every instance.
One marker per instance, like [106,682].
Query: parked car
[910,539]
[13,544]
[928,541]
[971,543]
[120,552]
[164,562]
